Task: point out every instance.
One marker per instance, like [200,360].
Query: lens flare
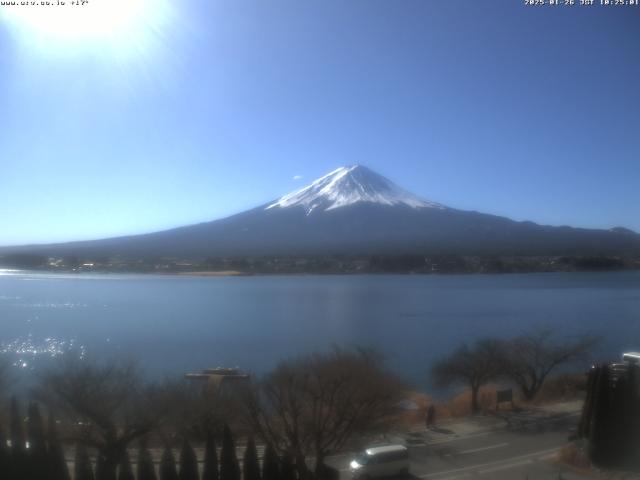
[70,25]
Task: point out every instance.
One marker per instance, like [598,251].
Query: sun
[114,24]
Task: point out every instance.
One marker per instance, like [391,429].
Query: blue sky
[208,108]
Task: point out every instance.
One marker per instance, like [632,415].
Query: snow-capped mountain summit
[347,186]
[351,211]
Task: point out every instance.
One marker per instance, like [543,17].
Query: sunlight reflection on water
[24,351]
[51,305]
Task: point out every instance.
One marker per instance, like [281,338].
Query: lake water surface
[175,324]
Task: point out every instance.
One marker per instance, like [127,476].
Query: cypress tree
[101,473]
[229,468]
[4,456]
[210,458]
[168,466]
[270,464]
[251,466]
[188,462]
[37,453]
[35,430]
[83,469]
[17,430]
[19,464]
[146,470]
[57,464]
[125,471]
[287,471]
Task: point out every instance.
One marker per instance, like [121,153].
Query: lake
[176,324]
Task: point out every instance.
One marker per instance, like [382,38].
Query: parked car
[381,462]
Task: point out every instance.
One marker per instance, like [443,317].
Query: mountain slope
[353,210]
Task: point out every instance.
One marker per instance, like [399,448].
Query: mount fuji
[353,211]
[347,186]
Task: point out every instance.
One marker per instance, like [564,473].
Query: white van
[381,462]
[631,357]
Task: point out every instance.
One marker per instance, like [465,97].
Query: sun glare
[85,23]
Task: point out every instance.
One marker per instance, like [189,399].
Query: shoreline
[237,273]
[211,273]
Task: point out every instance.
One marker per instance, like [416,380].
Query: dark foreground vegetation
[525,361]
[112,424]
[329,264]
[92,421]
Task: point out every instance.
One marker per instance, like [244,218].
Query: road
[498,455]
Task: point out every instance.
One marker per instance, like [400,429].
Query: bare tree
[108,405]
[192,409]
[313,405]
[181,404]
[533,356]
[473,366]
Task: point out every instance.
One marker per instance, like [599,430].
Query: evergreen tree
[188,462]
[270,464]
[35,430]
[146,470]
[168,466]
[251,466]
[287,470]
[37,453]
[101,467]
[125,471]
[83,469]
[17,429]
[229,468]
[19,465]
[57,464]
[210,458]
[4,456]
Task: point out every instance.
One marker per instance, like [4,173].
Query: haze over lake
[176,324]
